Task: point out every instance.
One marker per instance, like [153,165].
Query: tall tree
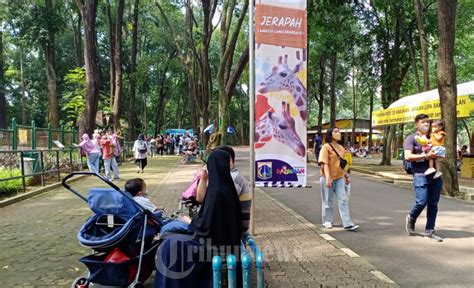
[111,50]
[3,101]
[332,105]
[47,44]
[88,10]
[132,73]
[423,45]
[227,73]
[118,64]
[446,77]
[75,23]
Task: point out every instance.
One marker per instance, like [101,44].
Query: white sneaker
[430,171]
[437,174]
[327,225]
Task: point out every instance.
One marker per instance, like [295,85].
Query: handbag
[343,162]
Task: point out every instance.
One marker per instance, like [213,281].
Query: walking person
[108,144]
[141,149]
[92,150]
[333,181]
[427,188]
[160,145]
[318,143]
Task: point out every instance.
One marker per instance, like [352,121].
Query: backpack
[406,164]
[142,146]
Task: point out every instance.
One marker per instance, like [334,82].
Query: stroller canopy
[110,201]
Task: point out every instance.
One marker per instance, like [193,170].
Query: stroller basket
[98,235]
[119,274]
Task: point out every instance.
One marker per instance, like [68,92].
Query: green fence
[22,137]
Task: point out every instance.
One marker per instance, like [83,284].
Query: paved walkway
[38,245]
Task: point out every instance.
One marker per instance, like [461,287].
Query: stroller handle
[71,175]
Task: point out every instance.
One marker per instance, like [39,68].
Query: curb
[359,260]
[36,192]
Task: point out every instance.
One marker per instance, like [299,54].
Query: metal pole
[252,113]
[14,134]
[50,137]
[33,135]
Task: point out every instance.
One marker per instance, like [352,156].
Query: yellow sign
[406,114]
[23,136]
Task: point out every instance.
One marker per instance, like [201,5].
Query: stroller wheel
[80,282]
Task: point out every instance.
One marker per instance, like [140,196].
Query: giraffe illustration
[283,78]
[278,125]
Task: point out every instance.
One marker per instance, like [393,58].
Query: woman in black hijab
[220,217]
[179,263]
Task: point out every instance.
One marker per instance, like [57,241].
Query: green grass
[10,187]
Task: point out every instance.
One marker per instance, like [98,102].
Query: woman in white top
[141,148]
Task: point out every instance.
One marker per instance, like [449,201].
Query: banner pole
[252,112]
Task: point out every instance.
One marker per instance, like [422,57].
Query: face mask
[424,129]
[336,136]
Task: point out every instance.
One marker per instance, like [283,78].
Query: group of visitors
[222,221]
[422,151]
[102,145]
[171,144]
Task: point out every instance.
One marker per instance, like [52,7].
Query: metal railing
[39,165]
[22,137]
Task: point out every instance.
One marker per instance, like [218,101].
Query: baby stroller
[188,198]
[121,234]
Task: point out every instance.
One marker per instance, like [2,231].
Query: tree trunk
[371,109]
[76,27]
[118,64]
[411,50]
[133,69]
[23,87]
[226,78]
[89,13]
[48,49]
[3,101]
[354,108]
[333,90]
[446,77]
[160,107]
[387,145]
[111,37]
[322,91]
[423,45]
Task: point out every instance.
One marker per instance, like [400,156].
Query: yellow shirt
[328,157]
[436,142]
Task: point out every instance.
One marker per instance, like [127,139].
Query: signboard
[281,93]
[407,113]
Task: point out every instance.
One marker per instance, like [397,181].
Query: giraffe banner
[281,95]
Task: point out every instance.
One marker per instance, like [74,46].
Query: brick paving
[38,245]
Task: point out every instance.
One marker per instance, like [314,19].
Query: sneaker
[430,171]
[437,174]
[351,228]
[432,235]
[138,170]
[327,225]
[410,226]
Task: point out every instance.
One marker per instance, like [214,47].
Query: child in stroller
[188,198]
[122,234]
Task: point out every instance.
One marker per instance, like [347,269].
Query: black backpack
[406,164]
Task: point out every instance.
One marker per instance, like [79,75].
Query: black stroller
[122,235]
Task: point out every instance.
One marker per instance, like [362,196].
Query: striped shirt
[245,197]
